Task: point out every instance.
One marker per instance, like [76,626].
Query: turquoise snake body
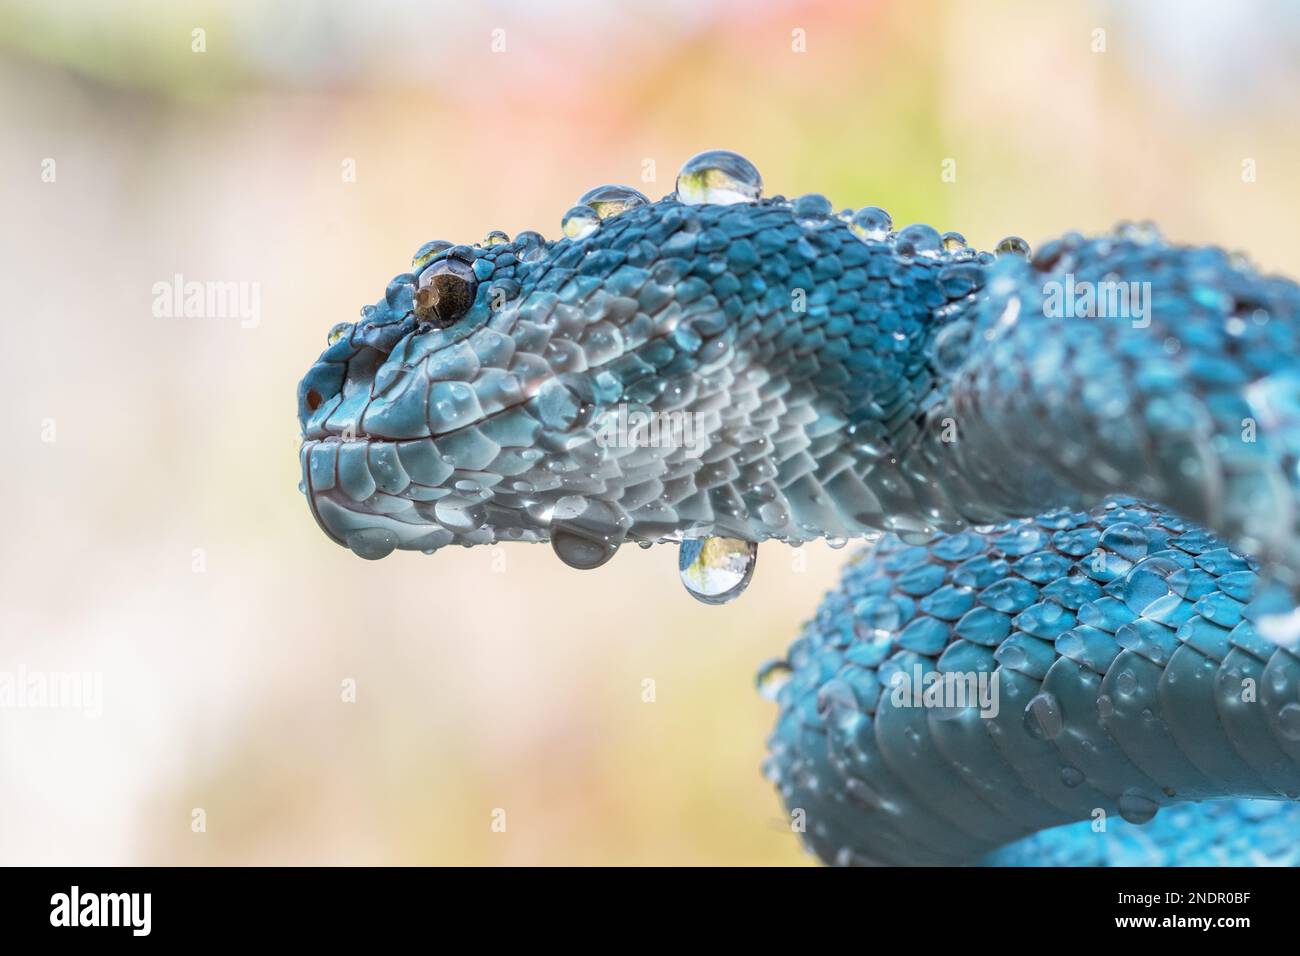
[1098,509]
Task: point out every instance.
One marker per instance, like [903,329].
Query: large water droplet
[496,238]
[579,222]
[610,200]
[772,676]
[718,176]
[716,570]
[871,224]
[1043,718]
[337,333]
[372,543]
[1137,809]
[919,239]
[580,547]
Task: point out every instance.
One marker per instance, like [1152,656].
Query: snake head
[492,395]
[711,364]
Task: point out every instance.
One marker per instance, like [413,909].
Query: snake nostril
[313,399]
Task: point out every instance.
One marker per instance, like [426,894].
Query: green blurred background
[159,539]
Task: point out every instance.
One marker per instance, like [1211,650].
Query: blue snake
[1072,636]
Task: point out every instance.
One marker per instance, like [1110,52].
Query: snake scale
[1071,637]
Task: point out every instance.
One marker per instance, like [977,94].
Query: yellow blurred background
[154,532]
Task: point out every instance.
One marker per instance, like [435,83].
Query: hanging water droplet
[1043,718]
[495,238]
[372,543]
[1013,246]
[428,252]
[1135,808]
[871,224]
[579,222]
[716,570]
[812,210]
[1105,706]
[772,676]
[919,239]
[580,547]
[718,176]
[337,333]
[610,200]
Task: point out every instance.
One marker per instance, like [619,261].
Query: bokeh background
[153,533]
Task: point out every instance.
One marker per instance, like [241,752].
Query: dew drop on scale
[718,176]
[716,570]
[871,224]
[772,676]
[610,200]
[579,222]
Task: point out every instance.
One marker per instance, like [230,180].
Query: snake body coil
[837,379]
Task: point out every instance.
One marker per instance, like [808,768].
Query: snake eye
[445,292]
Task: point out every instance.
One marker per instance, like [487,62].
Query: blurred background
[154,535]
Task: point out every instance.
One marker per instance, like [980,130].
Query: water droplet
[954,242]
[495,238]
[951,346]
[812,210]
[1288,721]
[530,246]
[716,570]
[580,547]
[459,515]
[1137,809]
[1043,717]
[1013,246]
[1072,776]
[871,224]
[579,222]
[772,676]
[337,333]
[836,701]
[1105,706]
[427,252]
[919,239]
[1010,656]
[718,176]
[610,200]
[1126,683]
[372,543]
